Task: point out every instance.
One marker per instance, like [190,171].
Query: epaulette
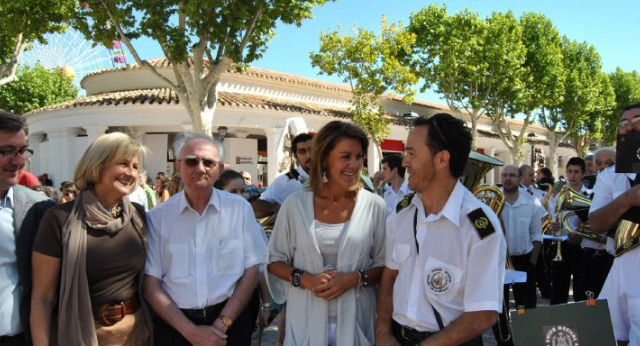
[293,174]
[481,223]
[406,200]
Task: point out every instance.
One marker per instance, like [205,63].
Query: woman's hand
[310,281]
[337,285]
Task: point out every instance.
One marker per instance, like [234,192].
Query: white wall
[242,155]
[157,157]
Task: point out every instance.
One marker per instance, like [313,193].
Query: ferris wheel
[74,54]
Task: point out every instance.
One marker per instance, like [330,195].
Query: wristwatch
[296,278]
[226,321]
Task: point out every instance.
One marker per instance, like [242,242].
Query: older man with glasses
[204,250]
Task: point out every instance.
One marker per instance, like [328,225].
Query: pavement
[270,335]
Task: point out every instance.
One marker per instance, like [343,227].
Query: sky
[612,26]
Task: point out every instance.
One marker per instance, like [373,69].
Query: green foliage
[24,21]
[36,87]
[626,86]
[372,65]
[202,39]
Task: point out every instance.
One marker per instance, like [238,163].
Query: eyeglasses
[634,122]
[192,161]
[9,151]
[512,175]
[435,126]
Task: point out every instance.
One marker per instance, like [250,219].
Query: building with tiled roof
[252,105]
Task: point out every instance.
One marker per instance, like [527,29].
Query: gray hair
[187,137]
[604,150]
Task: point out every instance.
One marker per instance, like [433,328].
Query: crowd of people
[116,260]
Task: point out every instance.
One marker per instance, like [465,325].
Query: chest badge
[439,280]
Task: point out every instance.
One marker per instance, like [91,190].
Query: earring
[324,176]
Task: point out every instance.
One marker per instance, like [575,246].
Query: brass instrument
[547,220]
[628,232]
[478,165]
[578,205]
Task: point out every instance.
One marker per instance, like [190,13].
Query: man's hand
[337,285]
[555,228]
[386,339]
[533,260]
[206,336]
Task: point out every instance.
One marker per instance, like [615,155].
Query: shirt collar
[451,209]
[303,174]
[214,201]
[7,201]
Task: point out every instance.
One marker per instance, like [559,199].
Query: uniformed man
[445,252]
[571,264]
[393,175]
[617,195]
[527,183]
[286,184]
[588,160]
[521,216]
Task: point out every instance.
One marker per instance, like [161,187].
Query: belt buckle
[402,332]
[109,321]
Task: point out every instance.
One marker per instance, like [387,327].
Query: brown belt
[112,313]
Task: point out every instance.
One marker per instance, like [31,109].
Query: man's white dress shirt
[9,283]
[200,258]
[392,198]
[523,223]
[283,186]
[455,270]
[622,290]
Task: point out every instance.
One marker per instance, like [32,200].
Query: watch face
[226,321]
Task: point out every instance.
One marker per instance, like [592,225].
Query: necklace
[116,211]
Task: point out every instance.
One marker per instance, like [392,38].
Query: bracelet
[296,278]
[363,279]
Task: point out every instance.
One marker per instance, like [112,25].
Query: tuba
[478,165]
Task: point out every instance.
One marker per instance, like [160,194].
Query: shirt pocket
[441,279]
[401,252]
[178,260]
[522,225]
[229,256]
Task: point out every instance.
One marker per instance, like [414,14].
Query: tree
[24,21]
[371,65]
[626,86]
[593,125]
[448,50]
[201,39]
[36,87]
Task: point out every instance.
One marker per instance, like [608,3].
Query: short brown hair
[102,152]
[324,142]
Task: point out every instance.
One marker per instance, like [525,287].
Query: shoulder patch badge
[481,222]
[293,174]
[406,200]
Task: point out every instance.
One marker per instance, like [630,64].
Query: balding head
[527,175]
[603,157]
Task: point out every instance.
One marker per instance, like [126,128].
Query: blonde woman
[326,251]
[93,248]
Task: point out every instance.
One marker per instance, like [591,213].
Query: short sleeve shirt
[200,257]
[283,186]
[621,291]
[454,271]
[523,224]
[609,185]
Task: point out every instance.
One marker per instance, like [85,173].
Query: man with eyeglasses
[445,252]
[20,212]
[286,184]
[616,196]
[204,248]
[521,217]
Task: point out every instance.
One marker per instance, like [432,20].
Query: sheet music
[513,276]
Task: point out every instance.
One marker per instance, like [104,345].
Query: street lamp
[408,119]
[222,132]
[532,138]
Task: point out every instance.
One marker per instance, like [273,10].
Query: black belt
[409,334]
[7,338]
[202,313]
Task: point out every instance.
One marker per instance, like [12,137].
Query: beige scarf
[75,315]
